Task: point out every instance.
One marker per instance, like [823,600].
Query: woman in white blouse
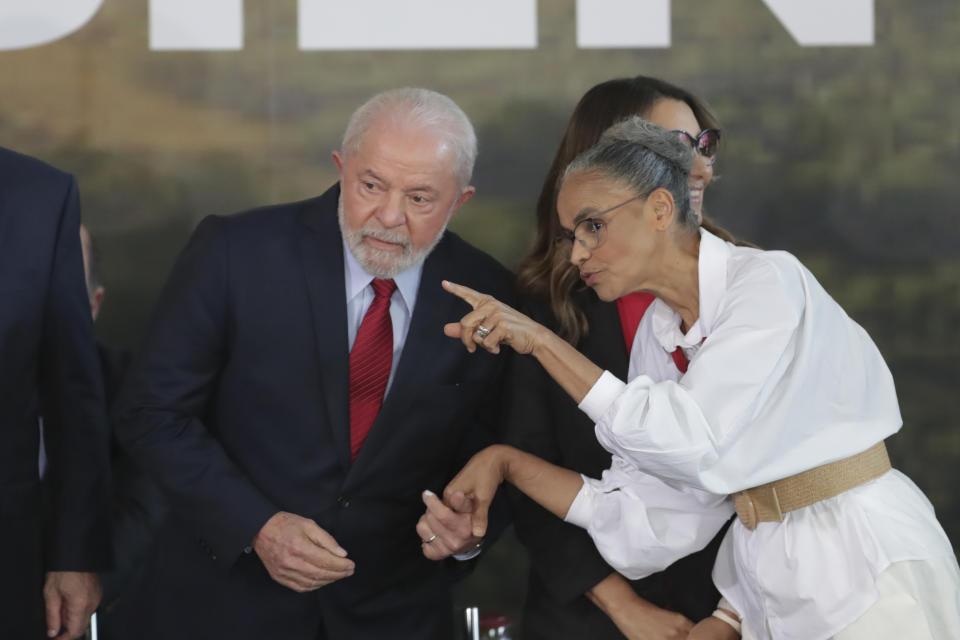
[783,410]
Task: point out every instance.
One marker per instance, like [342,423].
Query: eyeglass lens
[705,143]
[587,232]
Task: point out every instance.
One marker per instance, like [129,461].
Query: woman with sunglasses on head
[571,588]
[749,389]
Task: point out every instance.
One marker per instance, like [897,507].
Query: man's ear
[664,208]
[338,160]
[465,195]
[96,301]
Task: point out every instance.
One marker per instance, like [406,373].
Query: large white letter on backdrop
[646,23]
[196,25]
[31,23]
[628,24]
[826,23]
[361,25]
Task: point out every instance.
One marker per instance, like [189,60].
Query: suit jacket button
[344,501]
[213,557]
[248,550]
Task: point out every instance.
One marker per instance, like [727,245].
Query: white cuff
[721,613]
[580,512]
[471,554]
[601,395]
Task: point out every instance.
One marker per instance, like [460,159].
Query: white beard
[378,262]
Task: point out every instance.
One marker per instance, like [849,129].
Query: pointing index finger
[473,298]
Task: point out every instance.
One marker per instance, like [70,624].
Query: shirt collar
[357,279]
[712,271]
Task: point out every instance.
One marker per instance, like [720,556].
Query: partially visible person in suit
[137,505]
[296,396]
[571,588]
[55,541]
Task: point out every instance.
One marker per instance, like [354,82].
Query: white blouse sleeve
[677,430]
[640,524]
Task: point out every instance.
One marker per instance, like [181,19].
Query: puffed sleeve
[677,431]
[640,524]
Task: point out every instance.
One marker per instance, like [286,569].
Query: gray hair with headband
[644,157]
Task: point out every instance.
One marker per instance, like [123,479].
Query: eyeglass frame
[694,143]
[571,235]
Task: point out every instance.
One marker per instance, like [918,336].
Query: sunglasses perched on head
[705,143]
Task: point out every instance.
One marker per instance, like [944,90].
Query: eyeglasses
[590,232]
[705,143]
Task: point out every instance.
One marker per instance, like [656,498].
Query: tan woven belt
[768,502]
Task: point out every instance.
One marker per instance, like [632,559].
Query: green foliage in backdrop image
[845,156]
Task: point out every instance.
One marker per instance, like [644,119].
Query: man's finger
[323,559]
[74,620]
[437,550]
[321,538]
[52,603]
[436,506]
[306,575]
[471,297]
[424,531]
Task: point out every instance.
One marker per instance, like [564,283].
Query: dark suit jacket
[48,363]
[137,509]
[238,406]
[543,419]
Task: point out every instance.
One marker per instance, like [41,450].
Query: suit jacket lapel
[321,249]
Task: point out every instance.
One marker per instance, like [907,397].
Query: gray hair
[644,157]
[423,108]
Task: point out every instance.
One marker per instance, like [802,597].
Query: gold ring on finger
[430,539]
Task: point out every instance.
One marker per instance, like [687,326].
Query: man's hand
[636,618]
[446,530]
[299,554]
[70,597]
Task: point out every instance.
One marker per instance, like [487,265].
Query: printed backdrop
[843,149]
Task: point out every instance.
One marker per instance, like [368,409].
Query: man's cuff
[602,394]
[470,554]
[580,512]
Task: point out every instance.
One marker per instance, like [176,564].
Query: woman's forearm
[572,370]
[552,487]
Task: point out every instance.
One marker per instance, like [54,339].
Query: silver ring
[482,331]
[430,539]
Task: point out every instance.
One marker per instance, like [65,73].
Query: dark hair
[546,271]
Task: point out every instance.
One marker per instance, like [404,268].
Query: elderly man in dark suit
[296,396]
[52,547]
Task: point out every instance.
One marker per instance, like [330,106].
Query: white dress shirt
[780,380]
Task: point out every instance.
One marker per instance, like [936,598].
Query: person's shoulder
[259,223]
[774,265]
[776,279]
[23,170]
[271,216]
[474,267]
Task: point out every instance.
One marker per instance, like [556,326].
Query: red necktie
[680,359]
[370,361]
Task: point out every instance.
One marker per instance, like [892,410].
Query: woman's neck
[677,281]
